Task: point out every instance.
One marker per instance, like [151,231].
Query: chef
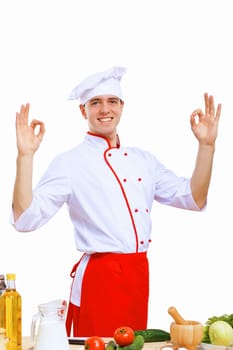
[109,190]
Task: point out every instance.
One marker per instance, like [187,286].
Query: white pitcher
[48,330]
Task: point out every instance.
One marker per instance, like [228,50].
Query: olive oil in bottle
[11,309]
[2,290]
[2,284]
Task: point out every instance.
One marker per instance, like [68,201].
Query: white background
[174,51]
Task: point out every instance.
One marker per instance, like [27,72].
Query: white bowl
[205,346]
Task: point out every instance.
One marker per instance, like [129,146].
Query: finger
[211,106]
[35,122]
[198,112]
[38,126]
[41,131]
[24,110]
[218,112]
[22,116]
[197,115]
[206,98]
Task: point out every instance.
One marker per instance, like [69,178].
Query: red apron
[115,292]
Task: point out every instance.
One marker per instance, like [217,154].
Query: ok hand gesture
[29,136]
[205,125]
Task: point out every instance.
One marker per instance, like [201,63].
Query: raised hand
[205,125]
[29,136]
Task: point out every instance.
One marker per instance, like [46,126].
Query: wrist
[207,147]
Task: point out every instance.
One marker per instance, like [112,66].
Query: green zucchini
[153,335]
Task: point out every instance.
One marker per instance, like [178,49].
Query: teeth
[105,119]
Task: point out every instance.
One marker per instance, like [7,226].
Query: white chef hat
[103,83]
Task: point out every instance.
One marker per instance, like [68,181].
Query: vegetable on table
[111,345]
[208,336]
[137,344]
[221,333]
[153,335]
[94,343]
[124,335]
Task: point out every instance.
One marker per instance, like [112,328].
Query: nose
[104,108]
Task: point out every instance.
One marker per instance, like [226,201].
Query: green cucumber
[111,345]
[137,344]
[153,335]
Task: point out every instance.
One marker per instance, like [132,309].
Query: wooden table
[27,344]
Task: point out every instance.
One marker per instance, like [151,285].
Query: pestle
[176,316]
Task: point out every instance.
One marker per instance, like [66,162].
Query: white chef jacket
[109,192]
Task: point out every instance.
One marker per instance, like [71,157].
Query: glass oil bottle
[11,310]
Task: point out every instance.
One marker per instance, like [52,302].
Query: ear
[83,111]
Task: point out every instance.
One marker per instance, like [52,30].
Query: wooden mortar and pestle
[184,333]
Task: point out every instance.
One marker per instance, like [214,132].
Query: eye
[93,103]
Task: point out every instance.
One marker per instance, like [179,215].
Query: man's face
[103,114]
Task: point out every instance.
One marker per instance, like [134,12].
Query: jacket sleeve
[173,190]
[51,192]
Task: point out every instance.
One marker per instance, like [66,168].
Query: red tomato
[124,335]
[94,343]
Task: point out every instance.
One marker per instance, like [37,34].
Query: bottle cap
[10,276]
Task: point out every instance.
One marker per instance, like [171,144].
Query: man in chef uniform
[109,191]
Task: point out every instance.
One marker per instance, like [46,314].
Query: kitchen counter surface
[27,345]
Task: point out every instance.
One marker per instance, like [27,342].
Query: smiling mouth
[107,119]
